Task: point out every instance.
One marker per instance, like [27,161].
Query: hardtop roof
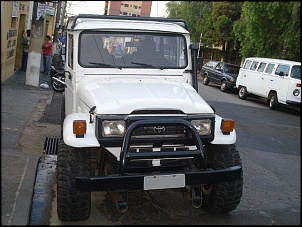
[91,21]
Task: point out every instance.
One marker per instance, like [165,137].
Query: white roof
[278,61]
[115,24]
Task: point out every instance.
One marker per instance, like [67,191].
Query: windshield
[296,72]
[132,50]
[231,69]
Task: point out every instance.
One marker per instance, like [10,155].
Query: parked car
[222,73]
[276,80]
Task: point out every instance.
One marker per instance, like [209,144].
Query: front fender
[221,138]
[70,139]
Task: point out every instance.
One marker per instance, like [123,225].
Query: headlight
[113,128]
[203,126]
[296,92]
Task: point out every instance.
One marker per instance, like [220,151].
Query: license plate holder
[164,181]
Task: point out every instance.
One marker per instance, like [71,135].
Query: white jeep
[132,118]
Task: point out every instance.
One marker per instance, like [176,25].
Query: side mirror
[281,73]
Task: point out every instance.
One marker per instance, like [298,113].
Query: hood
[123,97]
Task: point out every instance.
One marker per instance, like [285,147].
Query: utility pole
[36,41]
[55,37]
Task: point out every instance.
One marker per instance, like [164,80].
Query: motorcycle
[57,74]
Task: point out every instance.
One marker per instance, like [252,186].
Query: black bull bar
[135,181]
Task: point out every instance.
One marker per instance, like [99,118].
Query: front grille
[159,131]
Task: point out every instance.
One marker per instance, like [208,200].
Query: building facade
[128,8]
[16,17]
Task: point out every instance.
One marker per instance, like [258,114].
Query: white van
[279,81]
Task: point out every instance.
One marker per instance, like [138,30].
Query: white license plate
[164,181]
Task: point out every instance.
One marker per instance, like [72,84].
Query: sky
[97,7]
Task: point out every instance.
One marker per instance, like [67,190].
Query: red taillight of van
[298,85]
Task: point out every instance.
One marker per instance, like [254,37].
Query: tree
[195,13]
[220,24]
[269,29]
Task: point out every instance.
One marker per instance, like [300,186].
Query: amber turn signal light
[227,125]
[79,128]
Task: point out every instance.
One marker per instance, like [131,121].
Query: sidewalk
[18,169]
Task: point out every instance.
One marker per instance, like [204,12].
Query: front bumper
[164,179]
[138,182]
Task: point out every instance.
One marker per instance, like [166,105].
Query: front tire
[242,94]
[72,205]
[57,86]
[223,197]
[206,80]
[223,86]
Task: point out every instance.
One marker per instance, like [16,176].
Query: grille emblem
[159,129]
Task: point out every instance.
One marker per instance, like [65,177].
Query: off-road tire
[72,205]
[242,93]
[223,197]
[206,80]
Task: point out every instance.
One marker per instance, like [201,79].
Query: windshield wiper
[102,64]
[144,64]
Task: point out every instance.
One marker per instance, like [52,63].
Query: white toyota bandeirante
[132,118]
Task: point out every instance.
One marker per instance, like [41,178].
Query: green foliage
[269,29]
[263,29]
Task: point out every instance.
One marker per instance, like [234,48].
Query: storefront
[15,19]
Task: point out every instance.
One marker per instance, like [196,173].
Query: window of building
[126,5]
[125,13]
[135,7]
[14,22]
[133,14]
[129,14]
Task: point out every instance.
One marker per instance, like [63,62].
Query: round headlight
[296,92]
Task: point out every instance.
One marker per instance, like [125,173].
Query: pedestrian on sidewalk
[47,52]
[26,38]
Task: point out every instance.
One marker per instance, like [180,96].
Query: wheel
[273,102]
[57,86]
[242,94]
[223,86]
[205,80]
[223,197]
[72,205]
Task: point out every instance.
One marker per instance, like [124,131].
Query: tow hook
[120,199]
[196,196]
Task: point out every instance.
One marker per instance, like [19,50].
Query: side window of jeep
[70,51]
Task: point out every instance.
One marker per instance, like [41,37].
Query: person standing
[47,52]
[26,38]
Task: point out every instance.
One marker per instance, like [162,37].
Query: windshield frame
[180,61]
